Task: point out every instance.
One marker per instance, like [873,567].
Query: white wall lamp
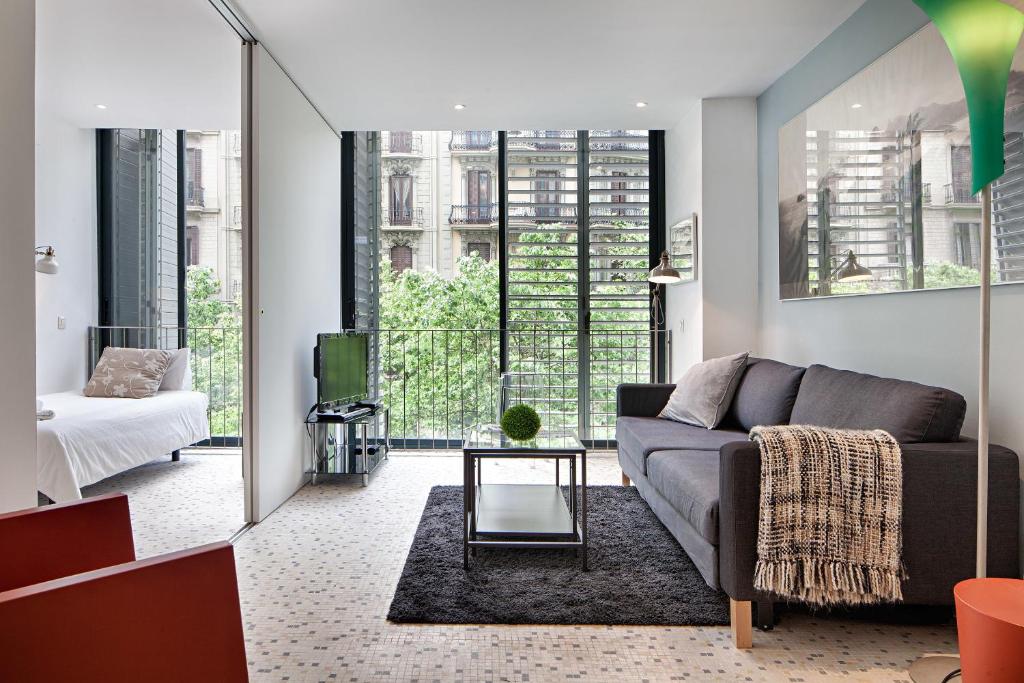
[47,261]
[661,274]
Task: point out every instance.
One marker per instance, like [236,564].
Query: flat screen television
[339,365]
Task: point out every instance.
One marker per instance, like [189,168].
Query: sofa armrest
[170,618]
[641,400]
[939,499]
[40,544]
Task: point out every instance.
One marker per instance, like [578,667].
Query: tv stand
[334,448]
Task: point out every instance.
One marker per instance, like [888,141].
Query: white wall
[296,251]
[729,212]
[17,275]
[683,176]
[711,168]
[65,218]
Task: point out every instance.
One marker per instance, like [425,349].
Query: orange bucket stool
[990,625]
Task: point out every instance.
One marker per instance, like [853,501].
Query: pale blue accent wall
[927,336]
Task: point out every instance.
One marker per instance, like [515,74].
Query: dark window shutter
[481,248]
[401,258]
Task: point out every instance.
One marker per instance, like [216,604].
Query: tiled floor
[177,505]
[316,579]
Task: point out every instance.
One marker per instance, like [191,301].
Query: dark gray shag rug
[638,573]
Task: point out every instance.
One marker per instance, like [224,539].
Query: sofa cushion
[703,394]
[638,437]
[688,480]
[765,395]
[911,412]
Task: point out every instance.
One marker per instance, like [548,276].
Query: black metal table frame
[472,477]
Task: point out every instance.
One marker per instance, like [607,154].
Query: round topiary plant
[520,423]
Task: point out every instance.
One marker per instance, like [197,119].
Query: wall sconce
[47,261]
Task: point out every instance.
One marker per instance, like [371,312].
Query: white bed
[94,438]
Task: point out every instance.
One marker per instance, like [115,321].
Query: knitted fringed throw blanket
[830,530]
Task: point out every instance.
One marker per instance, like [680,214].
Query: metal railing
[194,194]
[403,142]
[439,383]
[215,362]
[473,141]
[400,217]
[473,214]
[956,194]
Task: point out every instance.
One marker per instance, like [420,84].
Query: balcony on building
[194,195]
[473,141]
[402,217]
[473,215]
[960,194]
[402,143]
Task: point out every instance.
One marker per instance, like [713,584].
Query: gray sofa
[703,484]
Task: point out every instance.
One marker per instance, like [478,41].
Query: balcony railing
[400,217]
[473,214]
[439,383]
[403,142]
[194,194]
[956,194]
[473,141]
[216,365]
[549,213]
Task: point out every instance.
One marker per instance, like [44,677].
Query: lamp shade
[982,36]
[664,273]
[851,271]
[47,262]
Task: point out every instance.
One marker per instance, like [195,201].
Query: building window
[192,245]
[547,193]
[617,198]
[401,258]
[960,160]
[478,196]
[483,249]
[400,142]
[967,243]
[194,177]
[401,199]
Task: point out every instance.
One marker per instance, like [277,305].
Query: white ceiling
[154,63]
[403,64]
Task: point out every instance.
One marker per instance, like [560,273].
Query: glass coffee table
[523,515]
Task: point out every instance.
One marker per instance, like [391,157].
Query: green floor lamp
[982,36]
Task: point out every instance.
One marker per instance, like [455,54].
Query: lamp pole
[985,336]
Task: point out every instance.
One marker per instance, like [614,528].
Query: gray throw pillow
[128,373]
[703,394]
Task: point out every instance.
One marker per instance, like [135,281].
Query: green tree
[214,336]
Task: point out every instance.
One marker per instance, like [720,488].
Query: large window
[569,320]
[401,199]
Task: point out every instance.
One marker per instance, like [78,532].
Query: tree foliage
[215,340]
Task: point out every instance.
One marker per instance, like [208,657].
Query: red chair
[75,604]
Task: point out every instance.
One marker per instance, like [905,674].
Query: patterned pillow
[128,373]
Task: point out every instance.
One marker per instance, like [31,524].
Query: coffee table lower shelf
[522,516]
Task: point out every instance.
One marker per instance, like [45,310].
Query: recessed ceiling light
[460,107]
[101,106]
[856,105]
[641,105]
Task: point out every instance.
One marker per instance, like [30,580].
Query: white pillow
[179,374]
[704,393]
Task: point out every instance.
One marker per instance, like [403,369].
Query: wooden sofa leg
[740,618]
[625,479]
[175,456]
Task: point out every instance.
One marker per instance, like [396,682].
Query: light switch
[61,322]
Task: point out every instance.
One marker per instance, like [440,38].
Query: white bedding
[93,438]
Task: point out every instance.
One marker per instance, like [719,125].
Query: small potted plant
[520,423]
